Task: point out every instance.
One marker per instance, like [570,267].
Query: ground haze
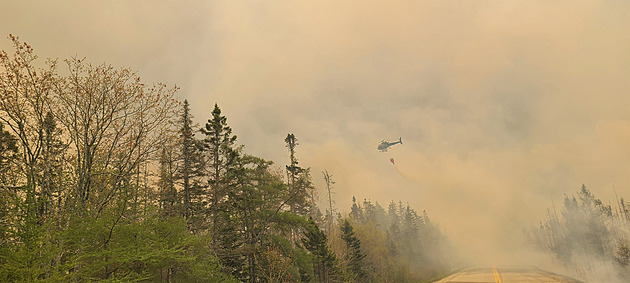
[504,107]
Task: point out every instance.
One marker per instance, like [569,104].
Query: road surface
[506,275]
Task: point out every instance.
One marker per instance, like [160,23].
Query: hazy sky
[502,105]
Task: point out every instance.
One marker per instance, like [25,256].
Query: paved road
[506,275]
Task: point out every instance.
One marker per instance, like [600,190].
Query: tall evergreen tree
[78,206]
[356,212]
[330,211]
[222,155]
[315,241]
[187,155]
[354,255]
[254,197]
[299,182]
[190,171]
[293,172]
[369,211]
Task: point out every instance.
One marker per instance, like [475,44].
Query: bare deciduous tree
[24,94]
[114,122]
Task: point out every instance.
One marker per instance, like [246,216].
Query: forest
[104,177]
[588,236]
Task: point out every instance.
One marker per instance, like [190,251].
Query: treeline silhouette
[106,178]
[588,236]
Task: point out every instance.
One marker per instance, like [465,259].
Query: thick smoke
[589,237]
[503,105]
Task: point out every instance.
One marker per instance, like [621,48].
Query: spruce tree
[330,211]
[254,197]
[221,154]
[324,259]
[354,255]
[189,172]
[356,212]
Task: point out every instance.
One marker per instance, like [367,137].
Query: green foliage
[323,259]
[77,203]
[302,192]
[355,255]
[119,249]
[402,244]
[205,266]
[302,266]
[113,249]
[102,179]
[221,156]
[189,171]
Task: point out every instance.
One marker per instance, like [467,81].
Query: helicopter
[384,145]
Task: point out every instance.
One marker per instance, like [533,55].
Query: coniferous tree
[221,156]
[324,260]
[369,211]
[95,185]
[330,211]
[190,171]
[300,188]
[298,180]
[293,170]
[588,236]
[187,156]
[254,197]
[355,255]
[394,223]
[78,205]
[356,212]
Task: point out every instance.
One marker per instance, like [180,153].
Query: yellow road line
[497,278]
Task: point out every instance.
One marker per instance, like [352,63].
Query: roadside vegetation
[588,236]
[104,177]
